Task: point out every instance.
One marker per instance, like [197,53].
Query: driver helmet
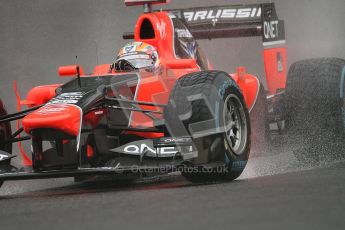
[136,55]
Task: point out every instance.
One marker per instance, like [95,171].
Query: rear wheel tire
[210,107]
[315,107]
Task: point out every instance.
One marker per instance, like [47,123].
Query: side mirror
[181,64]
[71,70]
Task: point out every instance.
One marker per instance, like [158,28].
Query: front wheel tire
[5,134]
[210,107]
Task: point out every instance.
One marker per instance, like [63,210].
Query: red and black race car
[160,107]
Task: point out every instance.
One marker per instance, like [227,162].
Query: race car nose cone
[64,117]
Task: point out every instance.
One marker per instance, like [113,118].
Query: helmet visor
[139,61]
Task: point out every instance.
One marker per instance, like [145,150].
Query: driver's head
[136,55]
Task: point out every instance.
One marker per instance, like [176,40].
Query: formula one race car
[159,108]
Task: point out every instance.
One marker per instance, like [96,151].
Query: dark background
[39,35]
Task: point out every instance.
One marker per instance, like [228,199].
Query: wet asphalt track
[298,197]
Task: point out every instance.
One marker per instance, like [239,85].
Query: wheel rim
[235,124]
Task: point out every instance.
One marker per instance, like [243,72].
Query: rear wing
[234,21]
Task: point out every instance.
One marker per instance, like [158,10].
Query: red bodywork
[63,117]
[40,95]
[276,69]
